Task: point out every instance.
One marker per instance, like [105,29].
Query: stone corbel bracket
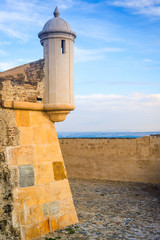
[56,112]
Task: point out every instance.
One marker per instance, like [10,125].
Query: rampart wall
[23,83]
[135,160]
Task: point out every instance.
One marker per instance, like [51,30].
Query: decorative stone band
[56,112]
[56,34]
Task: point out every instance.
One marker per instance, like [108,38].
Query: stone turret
[57,40]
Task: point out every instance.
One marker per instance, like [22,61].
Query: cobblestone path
[113,210]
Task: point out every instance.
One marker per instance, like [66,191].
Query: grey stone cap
[56,25]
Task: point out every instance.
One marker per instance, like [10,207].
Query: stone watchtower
[57,40]
[35,196]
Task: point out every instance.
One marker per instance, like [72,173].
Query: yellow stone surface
[39,147]
[54,224]
[31,215]
[39,118]
[22,118]
[27,197]
[48,152]
[43,173]
[31,232]
[57,190]
[20,155]
[31,196]
[26,135]
[66,206]
[59,171]
[45,227]
[67,219]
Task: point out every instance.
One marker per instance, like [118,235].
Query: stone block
[31,196]
[31,232]
[31,215]
[40,135]
[59,171]
[44,135]
[51,134]
[26,175]
[51,209]
[48,152]
[66,206]
[22,118]
[44,227]
[40,192]
[67,219]
[57,190]
[15,217]
[43,173]
[27,197]
[26,136]
[20,155]
[38,118]
[54,224]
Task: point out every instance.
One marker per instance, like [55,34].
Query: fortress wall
[135,160]
[23,83]
[35,196]
[8,178]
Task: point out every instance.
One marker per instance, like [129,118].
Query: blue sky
[117,58]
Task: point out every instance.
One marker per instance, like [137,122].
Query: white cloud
[6,65]
[98,29]
[2,43]
[18,18]
[135,3]
[114,112]
[98,102]
[15,16]
[11,64]
[13,33]
[85,55]
[147,60]
[147,7]
[24,11]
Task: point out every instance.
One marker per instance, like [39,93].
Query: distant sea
[105,134]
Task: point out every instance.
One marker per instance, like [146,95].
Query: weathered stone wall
[23,83]
[135,160]
[8,176]
[35,196]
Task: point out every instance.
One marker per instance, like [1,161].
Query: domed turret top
[56,25]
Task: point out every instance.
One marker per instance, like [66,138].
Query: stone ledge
[56,112]
[37,106]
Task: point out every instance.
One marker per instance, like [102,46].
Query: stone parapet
[23,83]
[132,160]
[56,112]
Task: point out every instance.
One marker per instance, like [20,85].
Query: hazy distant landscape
[105,134]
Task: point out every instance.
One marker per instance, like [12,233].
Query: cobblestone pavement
[113,210]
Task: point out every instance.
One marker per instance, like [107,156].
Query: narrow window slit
[62,46]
